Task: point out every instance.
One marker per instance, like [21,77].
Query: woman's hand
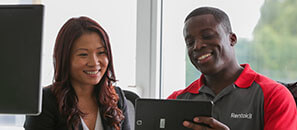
[213,123]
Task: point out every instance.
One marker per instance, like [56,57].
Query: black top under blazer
[51,119]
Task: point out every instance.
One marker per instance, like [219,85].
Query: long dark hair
[104,91]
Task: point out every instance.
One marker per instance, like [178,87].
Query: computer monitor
[20,58]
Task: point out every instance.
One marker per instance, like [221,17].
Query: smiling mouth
[203,57]
[91,72]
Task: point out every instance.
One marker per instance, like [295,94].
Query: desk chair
[131,97]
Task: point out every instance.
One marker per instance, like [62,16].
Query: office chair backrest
[131,97]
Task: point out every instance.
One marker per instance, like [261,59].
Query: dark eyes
[208,36]
[190,42]
[86,54]
[83,54]
[101,52]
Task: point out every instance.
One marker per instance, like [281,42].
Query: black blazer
[50,118]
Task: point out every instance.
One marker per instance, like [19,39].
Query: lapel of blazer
[79,126]
[104,123]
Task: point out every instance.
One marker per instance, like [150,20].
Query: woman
[82,96]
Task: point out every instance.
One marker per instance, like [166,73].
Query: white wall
[117,17]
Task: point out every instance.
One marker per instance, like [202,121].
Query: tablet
[161,114]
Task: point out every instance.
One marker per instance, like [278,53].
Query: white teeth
[91,72]
[204,56]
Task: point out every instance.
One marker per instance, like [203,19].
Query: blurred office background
[149,52]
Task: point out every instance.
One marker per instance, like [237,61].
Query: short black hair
[219,15]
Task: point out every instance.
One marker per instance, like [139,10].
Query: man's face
[210,48]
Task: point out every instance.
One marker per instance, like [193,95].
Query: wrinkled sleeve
[123,106]
[280,111]
[46,120]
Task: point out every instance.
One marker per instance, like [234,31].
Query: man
[243,99]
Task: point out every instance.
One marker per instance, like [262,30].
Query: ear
[233,39]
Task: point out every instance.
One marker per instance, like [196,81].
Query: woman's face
[88,61]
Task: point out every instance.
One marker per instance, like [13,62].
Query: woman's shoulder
[49,116]
[48,98]
[118,90]
[121,95]
[47,90]
[48,95]
[122,104]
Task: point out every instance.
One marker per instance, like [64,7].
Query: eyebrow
[200,32]
[84,49]
[206,30]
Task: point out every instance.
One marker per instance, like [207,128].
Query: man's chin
[207,71]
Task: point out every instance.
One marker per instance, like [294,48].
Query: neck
[84,91]
[224,78]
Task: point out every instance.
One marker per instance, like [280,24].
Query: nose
[199,44]
[93,60]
